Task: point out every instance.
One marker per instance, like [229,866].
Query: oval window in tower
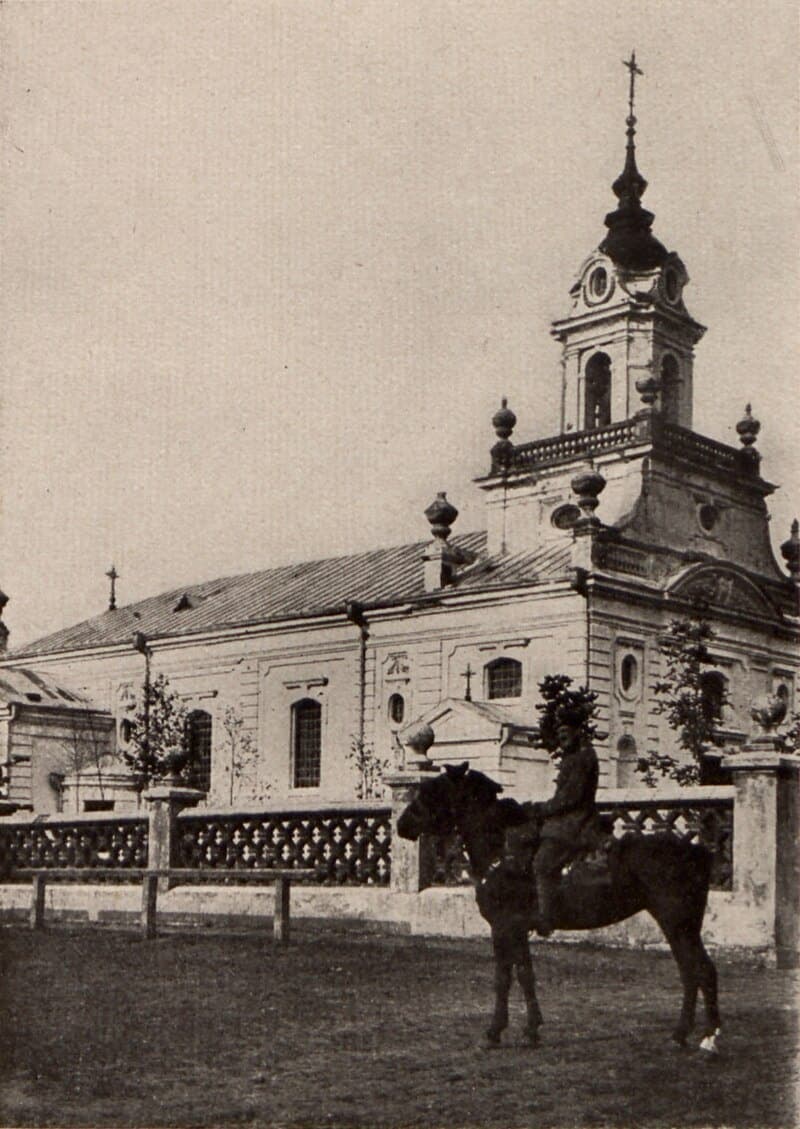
[629,674]
[672,285]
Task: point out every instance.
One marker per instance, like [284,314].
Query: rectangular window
[307,742]
[98,805]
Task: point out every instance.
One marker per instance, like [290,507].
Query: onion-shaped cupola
[630,243]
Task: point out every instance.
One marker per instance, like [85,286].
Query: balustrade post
[164,801]
[766,847]
[412,862]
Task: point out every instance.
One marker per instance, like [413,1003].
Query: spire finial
[634,70]
[113,576]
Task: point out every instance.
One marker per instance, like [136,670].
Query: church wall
[754,662]
[421,656]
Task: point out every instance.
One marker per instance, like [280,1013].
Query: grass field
[355,1029]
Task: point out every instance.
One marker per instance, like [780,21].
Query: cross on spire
[468,674]
[634,70]
[113,576]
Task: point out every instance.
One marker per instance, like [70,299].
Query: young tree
[369,769]
[158,744]
[85,749]
[557,697]
[241,753]
[683,695]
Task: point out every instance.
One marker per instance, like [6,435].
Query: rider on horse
[565,825]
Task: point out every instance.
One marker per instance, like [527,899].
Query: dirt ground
[353,1029]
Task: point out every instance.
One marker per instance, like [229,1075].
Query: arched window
[504,679]
[198,740]
[597,398]
[396,709]
[627,761]
[670,388]
[714,690]
[306,743]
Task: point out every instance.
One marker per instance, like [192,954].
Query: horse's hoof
[530,1039]
[679,1039]
[709,1045]
[492,1040]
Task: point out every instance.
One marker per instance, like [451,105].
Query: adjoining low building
[57,749]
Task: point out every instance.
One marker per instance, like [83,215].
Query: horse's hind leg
[707,979]
[527,981]
[680,942]
[503,969]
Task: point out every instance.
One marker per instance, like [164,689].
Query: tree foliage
[240,752]
[682,696]
[158,743]
[369,769]
[557,698]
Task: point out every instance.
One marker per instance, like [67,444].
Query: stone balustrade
[364,869]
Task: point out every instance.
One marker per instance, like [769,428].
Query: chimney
[439,557]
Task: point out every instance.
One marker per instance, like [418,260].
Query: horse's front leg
[503,969]
[527,981]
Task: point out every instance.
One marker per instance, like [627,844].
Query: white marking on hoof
[709,1044]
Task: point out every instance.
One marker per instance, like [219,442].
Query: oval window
[707,515]
[627,673]
[598,282]
[671,285]
[397,709]
[565,516]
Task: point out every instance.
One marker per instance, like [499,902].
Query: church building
[594,539]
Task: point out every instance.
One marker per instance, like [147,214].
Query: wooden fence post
[283,886]
[37,903]
[149,906]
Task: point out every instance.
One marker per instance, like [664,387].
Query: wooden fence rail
[174,876]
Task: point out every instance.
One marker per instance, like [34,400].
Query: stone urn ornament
[417,739]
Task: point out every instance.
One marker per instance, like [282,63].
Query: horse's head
[441,803]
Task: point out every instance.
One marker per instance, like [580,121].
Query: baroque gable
[725,588]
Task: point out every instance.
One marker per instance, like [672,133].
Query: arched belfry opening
[597,392]
[670,389]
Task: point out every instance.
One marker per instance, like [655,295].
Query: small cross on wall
[468,674]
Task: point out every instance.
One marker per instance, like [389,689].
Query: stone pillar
[766,848]
[164,801]
[412,862]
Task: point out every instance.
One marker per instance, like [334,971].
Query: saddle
[591,853]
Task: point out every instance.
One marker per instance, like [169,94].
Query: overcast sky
[269,267]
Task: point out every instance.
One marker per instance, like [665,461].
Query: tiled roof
[380,578]
[27,688]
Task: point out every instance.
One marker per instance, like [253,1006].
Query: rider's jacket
[570,813]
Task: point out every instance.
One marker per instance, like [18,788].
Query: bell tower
[628,340]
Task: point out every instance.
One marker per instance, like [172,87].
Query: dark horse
[660,873]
